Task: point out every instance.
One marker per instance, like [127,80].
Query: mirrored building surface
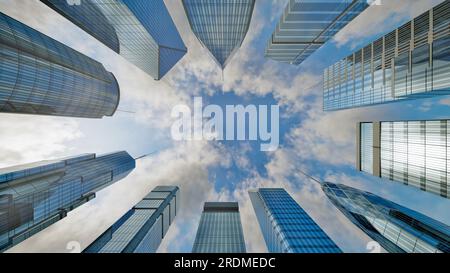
[34,196]
[220,229]
[220,25]
[44,77]
[286,227]
[306,25]
[142,228]
[415,153]
[410,62]
[142,31]
[396,228]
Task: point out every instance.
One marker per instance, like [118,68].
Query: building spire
[146,155]
[311,177]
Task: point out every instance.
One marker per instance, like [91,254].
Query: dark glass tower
[394,227]
[34,196]
[410,62]
[220,229]
[220,26]
[286,227]
[306,25]
[142,228]
[44,77]
[141,31]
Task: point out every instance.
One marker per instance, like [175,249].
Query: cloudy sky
[311,140]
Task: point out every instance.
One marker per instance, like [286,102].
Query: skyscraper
[415,153]
[306,25]
[35,196]
[142,228]
[220,26]
[410,62]
[396,228]
[286,227]
[42,76]
[141,31]
[220,229]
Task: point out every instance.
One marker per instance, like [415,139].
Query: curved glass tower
[286,227]
[396,228]
[34,196]
[221,26]
[142,228]
[44,77]
[141,31]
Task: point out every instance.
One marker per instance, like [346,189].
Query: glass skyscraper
[142,228]
[415,153]
[142,31]
[220,25]
[44,77]
[396,228]
[34,196]
[286,227]
[306,25]
[220,229]
[410,62]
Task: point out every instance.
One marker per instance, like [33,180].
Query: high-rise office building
[220,229]
[396,228]
[306,25]
[35,196]
[142,228]
[286,227]
[44,77]
[410,62]
[415,153]
[141,31]
[220,26]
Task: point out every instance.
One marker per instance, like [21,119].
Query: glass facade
[367,147]
[34,196]
[42,76]
[306,25]
[396,228]
[142,31]
[220,25]
[142,228]
[286,227]
[415,153]
[220,229]
[410,62]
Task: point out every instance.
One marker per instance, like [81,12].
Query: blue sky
[322,144]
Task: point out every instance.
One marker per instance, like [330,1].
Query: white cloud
[26,140]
